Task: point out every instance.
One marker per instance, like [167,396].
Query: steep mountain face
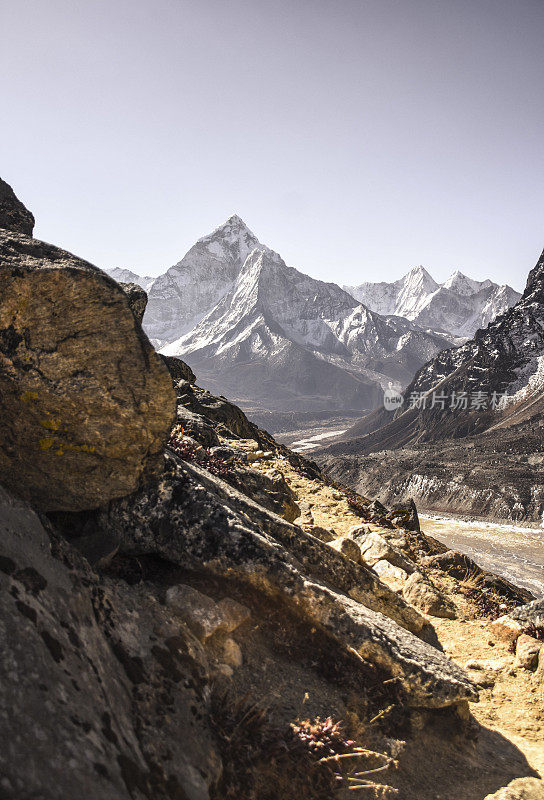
[281,339]
[179,299]
[459,306]
[475,409]
[128,276]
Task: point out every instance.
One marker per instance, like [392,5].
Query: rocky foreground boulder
[86,403]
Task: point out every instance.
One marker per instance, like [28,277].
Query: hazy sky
[355,137]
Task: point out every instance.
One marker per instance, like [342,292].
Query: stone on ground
[506,629]
[203,615]
[421,593]
[376,548]
[520,789]
[390,574]
[348,548]
[527,651]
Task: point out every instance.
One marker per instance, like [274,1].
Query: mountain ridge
[459,306]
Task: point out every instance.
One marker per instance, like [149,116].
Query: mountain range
[459,306]
[273,337]
[471,413]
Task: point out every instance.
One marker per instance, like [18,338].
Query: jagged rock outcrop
[14,216]
[137,299]
[179,370]
[197,520]
[103,689]
[86,403]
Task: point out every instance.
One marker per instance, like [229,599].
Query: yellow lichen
[27,396]
[51,424]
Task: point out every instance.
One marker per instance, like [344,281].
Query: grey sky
[356,137]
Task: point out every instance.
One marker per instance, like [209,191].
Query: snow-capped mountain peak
[233,235]
[418,275]
[459,306]
[283,339]
[461,284]
[185,293]
[415,287]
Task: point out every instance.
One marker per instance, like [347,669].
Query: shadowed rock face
[86,403]
[13,214]
[90,668]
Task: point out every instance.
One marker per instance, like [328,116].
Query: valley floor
[516,553]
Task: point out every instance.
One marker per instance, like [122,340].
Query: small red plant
[322,737]
[191,452]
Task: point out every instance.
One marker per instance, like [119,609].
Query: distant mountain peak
[459,306]
[123,275]
[234,219]
[461,284]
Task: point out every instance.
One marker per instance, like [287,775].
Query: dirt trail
[514,705]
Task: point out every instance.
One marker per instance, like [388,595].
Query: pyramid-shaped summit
[181,297]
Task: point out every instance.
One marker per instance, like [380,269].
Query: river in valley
[514,552]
